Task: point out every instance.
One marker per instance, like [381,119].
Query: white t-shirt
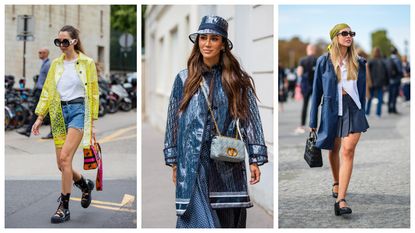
[69,85]
[350,86]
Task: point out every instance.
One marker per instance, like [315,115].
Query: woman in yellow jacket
[70,95]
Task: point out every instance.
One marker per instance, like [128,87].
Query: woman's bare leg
[76,175]
[334,160]
[348,149]
[73,139]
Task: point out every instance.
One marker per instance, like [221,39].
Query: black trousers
[306,100]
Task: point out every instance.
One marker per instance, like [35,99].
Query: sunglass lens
[57,42]
[344,33]
[352,34]
[65,43]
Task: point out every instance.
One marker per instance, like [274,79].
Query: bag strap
[202,86]
[238,129]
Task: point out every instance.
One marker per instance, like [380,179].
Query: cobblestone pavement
[379,191]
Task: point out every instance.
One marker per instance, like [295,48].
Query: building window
[102,24]
[50,16]
[101,54]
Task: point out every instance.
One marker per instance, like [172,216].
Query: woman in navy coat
[211,193]
[339,86]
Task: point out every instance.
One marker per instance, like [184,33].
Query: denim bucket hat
[212,25]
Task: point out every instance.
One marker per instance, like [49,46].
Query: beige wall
[92,21]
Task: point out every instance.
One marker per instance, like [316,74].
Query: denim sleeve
[170,140]
[317,91]
[254,140]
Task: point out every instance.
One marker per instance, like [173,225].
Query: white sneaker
[299,130]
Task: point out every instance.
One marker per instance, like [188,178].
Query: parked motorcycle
[119,95]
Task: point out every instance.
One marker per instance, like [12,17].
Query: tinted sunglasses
[64,43]
[345,33]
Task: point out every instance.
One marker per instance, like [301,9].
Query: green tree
[291,51]
[124,18]
[380,39]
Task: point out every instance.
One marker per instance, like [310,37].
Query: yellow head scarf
[336,29]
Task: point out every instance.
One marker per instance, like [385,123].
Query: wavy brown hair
[236,82]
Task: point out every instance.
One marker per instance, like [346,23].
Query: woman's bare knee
[65,160]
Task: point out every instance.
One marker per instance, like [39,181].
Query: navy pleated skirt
[353,119]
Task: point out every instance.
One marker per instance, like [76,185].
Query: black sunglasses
[64,43]
[345,33]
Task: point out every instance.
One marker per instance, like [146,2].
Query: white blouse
[69,85]
[350,86]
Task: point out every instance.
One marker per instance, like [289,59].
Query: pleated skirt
[353,119]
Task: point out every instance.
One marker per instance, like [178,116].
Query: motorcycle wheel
[7,119]
[20,116]
[102,109]
[112,106]
[125,106]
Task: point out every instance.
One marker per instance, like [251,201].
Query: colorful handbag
[93,160]
[90,158]
[224,148]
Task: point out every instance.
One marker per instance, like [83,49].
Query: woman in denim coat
[211,193]
[340,86]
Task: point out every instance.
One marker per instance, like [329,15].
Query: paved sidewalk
[33,182]
[158,190]
[379,191]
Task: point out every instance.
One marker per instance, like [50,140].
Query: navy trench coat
[183,141]
[325,92]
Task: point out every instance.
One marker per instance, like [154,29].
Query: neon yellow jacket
[50,99]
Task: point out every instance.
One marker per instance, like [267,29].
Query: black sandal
[340,211]
[332,192]
[62,214]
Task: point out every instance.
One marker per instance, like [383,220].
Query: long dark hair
[74,34]
[236,82]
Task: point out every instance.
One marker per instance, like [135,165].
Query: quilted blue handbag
[227,149]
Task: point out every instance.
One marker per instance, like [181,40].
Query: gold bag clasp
[232,152]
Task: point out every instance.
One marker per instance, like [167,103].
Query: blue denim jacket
[325,92]
[184,137]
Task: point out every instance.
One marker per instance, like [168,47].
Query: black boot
[62,214]
[86,186]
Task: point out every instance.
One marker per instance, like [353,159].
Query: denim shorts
[73,115]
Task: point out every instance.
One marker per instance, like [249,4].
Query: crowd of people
[384,74]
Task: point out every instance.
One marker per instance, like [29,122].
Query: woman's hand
[313,129]
[174,173]
[255,173]
[36,126]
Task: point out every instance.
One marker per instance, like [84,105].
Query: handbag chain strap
[211,112]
